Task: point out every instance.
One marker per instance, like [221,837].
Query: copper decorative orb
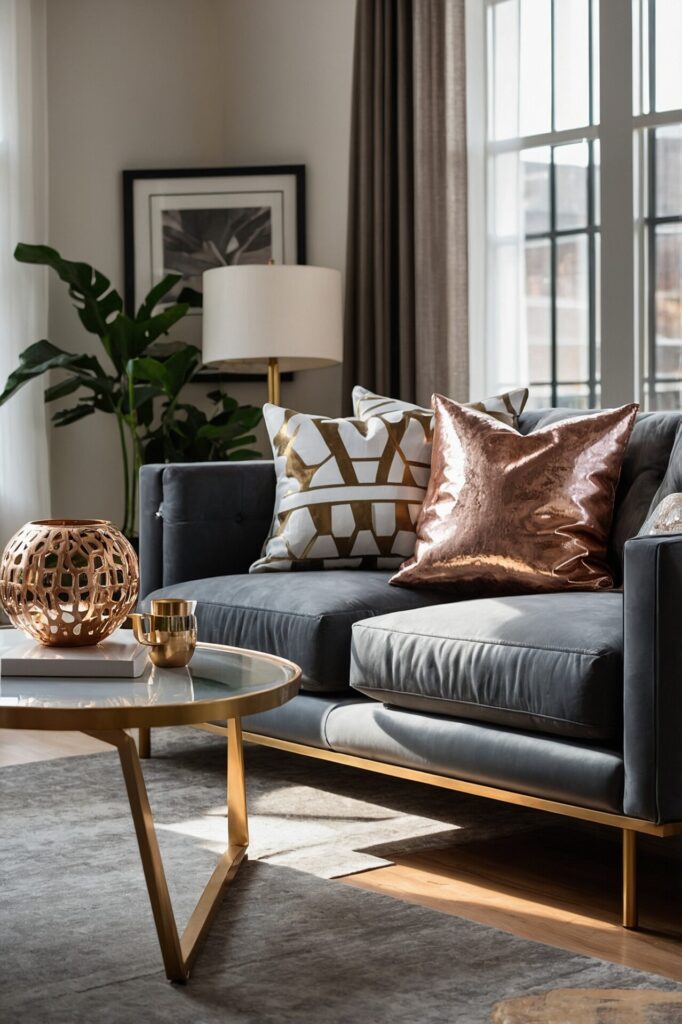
[68,582]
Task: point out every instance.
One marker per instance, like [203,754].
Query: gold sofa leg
[630,915]
[144,742]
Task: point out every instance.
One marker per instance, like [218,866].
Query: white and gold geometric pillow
[349,491]
[506,407]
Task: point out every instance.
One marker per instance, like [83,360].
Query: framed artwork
[188,221]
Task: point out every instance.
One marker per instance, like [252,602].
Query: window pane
[536,67]
[504,59]
[572,309]
[538,310]
[573,396]
[505,170]
[668,54]
[508,340]
[667,396]
[570,174]
[535,165]
[669,171]
[571,64]
[668,301]
[595,61]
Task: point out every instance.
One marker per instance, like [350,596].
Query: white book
[119,656]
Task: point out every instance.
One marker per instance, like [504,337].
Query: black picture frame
[293,234]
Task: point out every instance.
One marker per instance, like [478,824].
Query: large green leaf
[247,415]
[143,393]
[155,295]
[145,413]
[95,300]
[64,388]
[226,432]
[43,356]
[148,369]
[121,341]
[192,297]
[169,374]
[76,412]
[133,337]
[155,326]
[182,366]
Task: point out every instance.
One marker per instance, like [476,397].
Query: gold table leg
[144,742]
[179,952]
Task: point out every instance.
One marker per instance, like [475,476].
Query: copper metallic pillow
[510,513]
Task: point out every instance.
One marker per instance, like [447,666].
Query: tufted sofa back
[652,467]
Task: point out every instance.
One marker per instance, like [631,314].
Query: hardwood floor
[558,884]
[21,746]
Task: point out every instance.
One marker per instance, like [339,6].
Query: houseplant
[142,392]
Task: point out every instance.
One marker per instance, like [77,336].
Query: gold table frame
[109,724]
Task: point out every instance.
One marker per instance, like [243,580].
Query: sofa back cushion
[652,468]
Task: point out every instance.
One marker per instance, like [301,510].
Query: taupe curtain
[406,277]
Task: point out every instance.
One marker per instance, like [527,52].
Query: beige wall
[181,83]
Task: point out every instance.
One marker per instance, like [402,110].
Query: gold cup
[169,630]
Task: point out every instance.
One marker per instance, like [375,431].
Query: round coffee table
[221,684]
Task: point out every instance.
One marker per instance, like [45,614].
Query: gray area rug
[77,942]
[368,820]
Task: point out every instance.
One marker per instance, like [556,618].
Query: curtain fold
[379,331]
[24,470]
[406,278]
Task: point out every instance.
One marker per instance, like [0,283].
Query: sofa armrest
[151,529]
[652,705]
[202,519]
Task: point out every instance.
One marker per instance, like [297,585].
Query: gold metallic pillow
[509,513]
[506,407]
[348,492]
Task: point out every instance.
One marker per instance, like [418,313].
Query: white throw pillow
[506,407]
[349,491]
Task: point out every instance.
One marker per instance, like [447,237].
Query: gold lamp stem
[273,381]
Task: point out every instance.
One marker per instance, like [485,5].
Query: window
[658,99]
[543,156]
[559,135]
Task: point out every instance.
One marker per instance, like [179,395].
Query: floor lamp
[274,317]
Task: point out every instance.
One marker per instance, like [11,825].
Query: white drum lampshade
[280,317]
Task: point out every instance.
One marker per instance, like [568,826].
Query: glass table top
[216,678]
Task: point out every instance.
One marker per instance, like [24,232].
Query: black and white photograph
[189,221]
[197,240]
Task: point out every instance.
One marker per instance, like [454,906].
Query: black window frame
[651,222]
[553,235]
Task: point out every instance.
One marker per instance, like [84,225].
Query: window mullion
[591,278]
[651,353]
[553,272]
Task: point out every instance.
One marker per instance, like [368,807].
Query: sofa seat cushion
[306,617]
[550,663]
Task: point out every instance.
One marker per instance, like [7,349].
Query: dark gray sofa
[568,702]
